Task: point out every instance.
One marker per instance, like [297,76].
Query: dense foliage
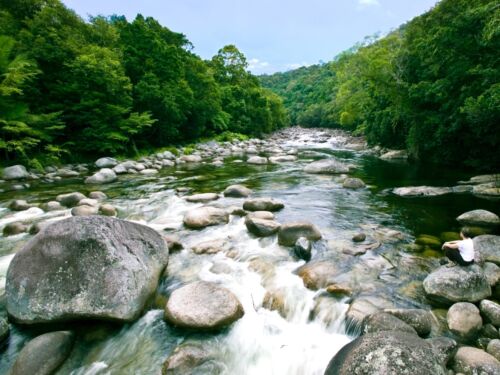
[75,88]
[432,86]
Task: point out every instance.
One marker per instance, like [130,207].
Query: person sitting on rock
[460,251]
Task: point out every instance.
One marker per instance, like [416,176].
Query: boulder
[211,247]
[291,232]
[257,160]
[15,172]
[98,195]
[202,198]
[492,273]
[173,242]
[205,216]
[472,361]
[149,172]
[493,348]
[261,227]
[457,284]
[421,320]
[19,205]
[85,268]
[203,306]
[263,204]
[317,275]
[464,320]
[490,310]
[104,176]
[88,202]
[107,210]
[326,166]
[188,358]
[265,215]
[395,155]
[191,158]
[84,210]
[353,183]
[106,162]
[363,306]
[387,353]
[421,191]
[282,159]
[359,237]
[37,227]
[302,248]
[488,247]
[11,229]
[479,217]
[444,348]
[70,199]
[44,354]
[52,206]
[237,191]
[381,321]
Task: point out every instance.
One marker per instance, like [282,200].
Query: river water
[309,327]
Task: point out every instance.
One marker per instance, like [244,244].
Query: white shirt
[466,248]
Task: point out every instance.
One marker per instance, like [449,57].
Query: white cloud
[294,66]
[367,3]
[257,66]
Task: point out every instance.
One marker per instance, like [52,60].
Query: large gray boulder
[326,166]
[205,216]
[44,354]
[473,361]
[15,172]
[464,320]
[479,217]
[386,353]
[488,247]
[457,284]
[421,320]
[263,204]
[444,348]
[203,306]
[104,176]
[85,268]
[291,232]
[106,162]
[490,311]
[381,321]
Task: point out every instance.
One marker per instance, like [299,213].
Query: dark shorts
[455,256]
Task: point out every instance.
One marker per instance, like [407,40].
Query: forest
[432,87]
[71,88]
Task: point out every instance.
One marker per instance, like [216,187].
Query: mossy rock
[449,236]
[429,241]
[413,248]
[478,231]
[432,253]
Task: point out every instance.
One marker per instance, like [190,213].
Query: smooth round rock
[84,210]
[15,172]
[237,191]
[479,217]
[19,205]
[11,229]
[202,198]
[185,359]
[263,204]
[469,360]
[104,176]
[265,215]
[291,232]
[70,199]
[91,267]
[359,237]
[302,248]
[44,354]
[107,209]
[457,284]
[493,348]
[353,183]
[205,216]
[463,319]
[203,306]
[99,195]
[88,202]
[326,166]
[386,353]
[261,227]
[52,206]
[318,274]
[106,162]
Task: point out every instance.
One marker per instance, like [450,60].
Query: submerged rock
[211,247]
[387,353]
[479,217]
[203,306]
[395,155]
[257,160]
[421,191]
[189,358]
[44,354]
[263,204]
[85,268]
[205,216]
[318,274]
[457,284]
[353,183]
[326,166]
[291,232]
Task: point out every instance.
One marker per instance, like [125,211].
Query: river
[308,328]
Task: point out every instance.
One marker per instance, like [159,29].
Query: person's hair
[466,232]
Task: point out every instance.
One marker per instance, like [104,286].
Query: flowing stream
[308,328]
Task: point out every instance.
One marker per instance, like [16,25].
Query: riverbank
[362,256]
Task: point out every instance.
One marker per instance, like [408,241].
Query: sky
[274,35]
